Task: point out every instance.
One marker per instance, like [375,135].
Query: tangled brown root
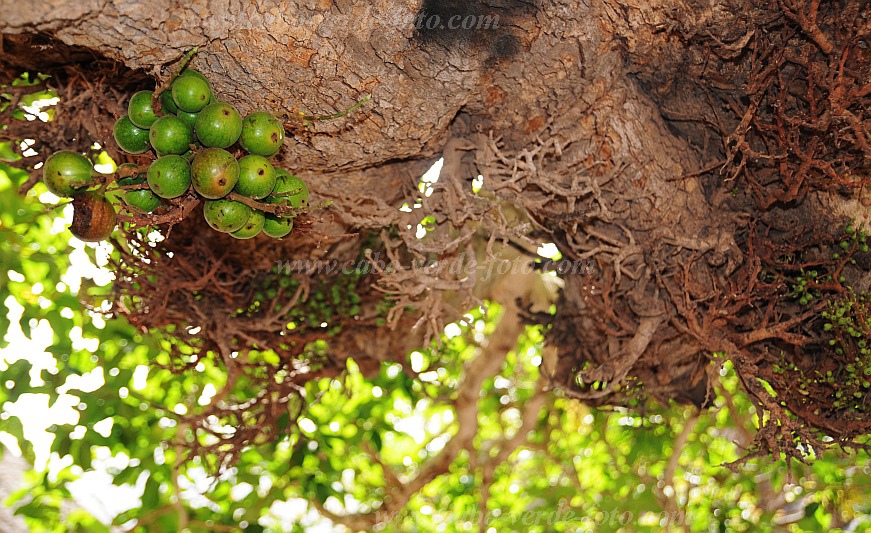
[779,94]
[225,301]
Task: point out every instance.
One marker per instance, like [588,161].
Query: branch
[508,446]
[352,522]
[389,475]
[152,516]
[808,23]
[489,362]
[631,352]
[179,461]
[674,460]
[32,179]
[212,526]
[182,208]
[679,443]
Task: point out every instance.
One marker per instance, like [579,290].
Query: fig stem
[340,114]
[134,187]
[187,59]
[280,209]
[51,208]
[164,85]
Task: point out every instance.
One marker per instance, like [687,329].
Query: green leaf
[83,455]
[322,492]
[151,494]
[298,455]
[18,376]
[375,439]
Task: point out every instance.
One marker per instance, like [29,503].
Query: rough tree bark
[575,114]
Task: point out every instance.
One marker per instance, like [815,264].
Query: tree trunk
[595,125]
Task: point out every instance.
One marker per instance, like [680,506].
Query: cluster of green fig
[190,134]
[191,138]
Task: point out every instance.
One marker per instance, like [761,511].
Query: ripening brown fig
[94,217]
